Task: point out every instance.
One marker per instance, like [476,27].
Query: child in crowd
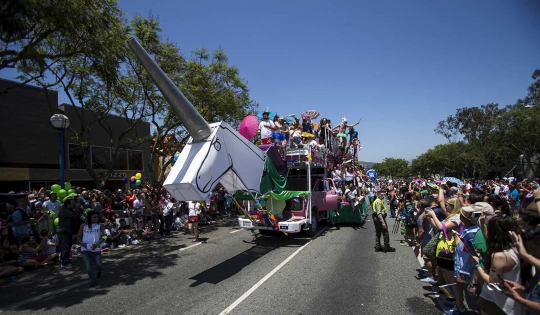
[52,242]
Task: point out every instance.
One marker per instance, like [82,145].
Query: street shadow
[262,245]
[126,266]
[421,306]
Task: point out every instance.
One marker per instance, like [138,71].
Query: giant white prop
[215,153]
[226,157]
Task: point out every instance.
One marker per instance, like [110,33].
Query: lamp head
[60,121]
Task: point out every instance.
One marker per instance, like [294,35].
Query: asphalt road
[241,272]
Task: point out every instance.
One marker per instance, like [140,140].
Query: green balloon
[67,185]
[62,193]
[73,195]
[71,191]
[55,188]
[56,221]
[138,182]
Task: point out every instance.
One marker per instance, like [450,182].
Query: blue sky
[400,65]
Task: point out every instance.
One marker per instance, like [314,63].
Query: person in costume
[342,135]
[325,133]
[353,139]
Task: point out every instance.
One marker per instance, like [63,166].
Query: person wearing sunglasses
[90,236]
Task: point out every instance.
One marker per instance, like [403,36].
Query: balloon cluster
[62,194]
[134,180]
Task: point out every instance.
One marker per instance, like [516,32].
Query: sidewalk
[125,266]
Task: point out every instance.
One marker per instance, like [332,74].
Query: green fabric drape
[287,194]
[272,179]
[349,215]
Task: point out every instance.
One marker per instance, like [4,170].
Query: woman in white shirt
[90,236]
[194,211]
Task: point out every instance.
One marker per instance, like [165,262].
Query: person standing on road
[90,236]
[66,219]
[379,219]
[194,211]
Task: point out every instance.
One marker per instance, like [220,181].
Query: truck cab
[324,198]
[306,173]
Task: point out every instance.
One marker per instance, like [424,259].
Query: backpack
[25,216]
[408,212]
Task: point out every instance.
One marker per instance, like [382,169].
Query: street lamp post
[60,122]
[522,158]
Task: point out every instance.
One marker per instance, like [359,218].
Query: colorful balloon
[133,178]
[133,181]
[67,185]
[71,191]
[55,188]
[138,176]
[56,221]
[62,193]
[138,182]
[126,180]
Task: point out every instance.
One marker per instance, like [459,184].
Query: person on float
[325,133]
[342,135]
[266,126]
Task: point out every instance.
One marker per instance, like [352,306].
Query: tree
[97,89]
[392,167]
[38,34]
[516,130]
[470,124]
[212,86]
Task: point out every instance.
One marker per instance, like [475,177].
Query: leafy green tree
[37,34]
[212,86]
[392,167]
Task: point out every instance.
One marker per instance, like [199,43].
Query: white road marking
[39,297]
[190,246]
[236,231]
[263,280]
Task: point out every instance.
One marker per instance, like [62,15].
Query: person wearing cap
[472,243]
[379,219]
[266,126]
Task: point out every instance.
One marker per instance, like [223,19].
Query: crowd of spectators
[38,230]
[480,242]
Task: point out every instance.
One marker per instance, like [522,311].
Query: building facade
[29,145]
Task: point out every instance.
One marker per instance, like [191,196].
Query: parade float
[288,194]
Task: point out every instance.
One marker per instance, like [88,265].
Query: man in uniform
[379,216]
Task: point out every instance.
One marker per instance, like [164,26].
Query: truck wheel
[312,228]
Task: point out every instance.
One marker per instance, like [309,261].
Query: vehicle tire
[312,228]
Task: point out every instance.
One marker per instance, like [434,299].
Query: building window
[121,160]
[101,158]
[76,157]
[135,159]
